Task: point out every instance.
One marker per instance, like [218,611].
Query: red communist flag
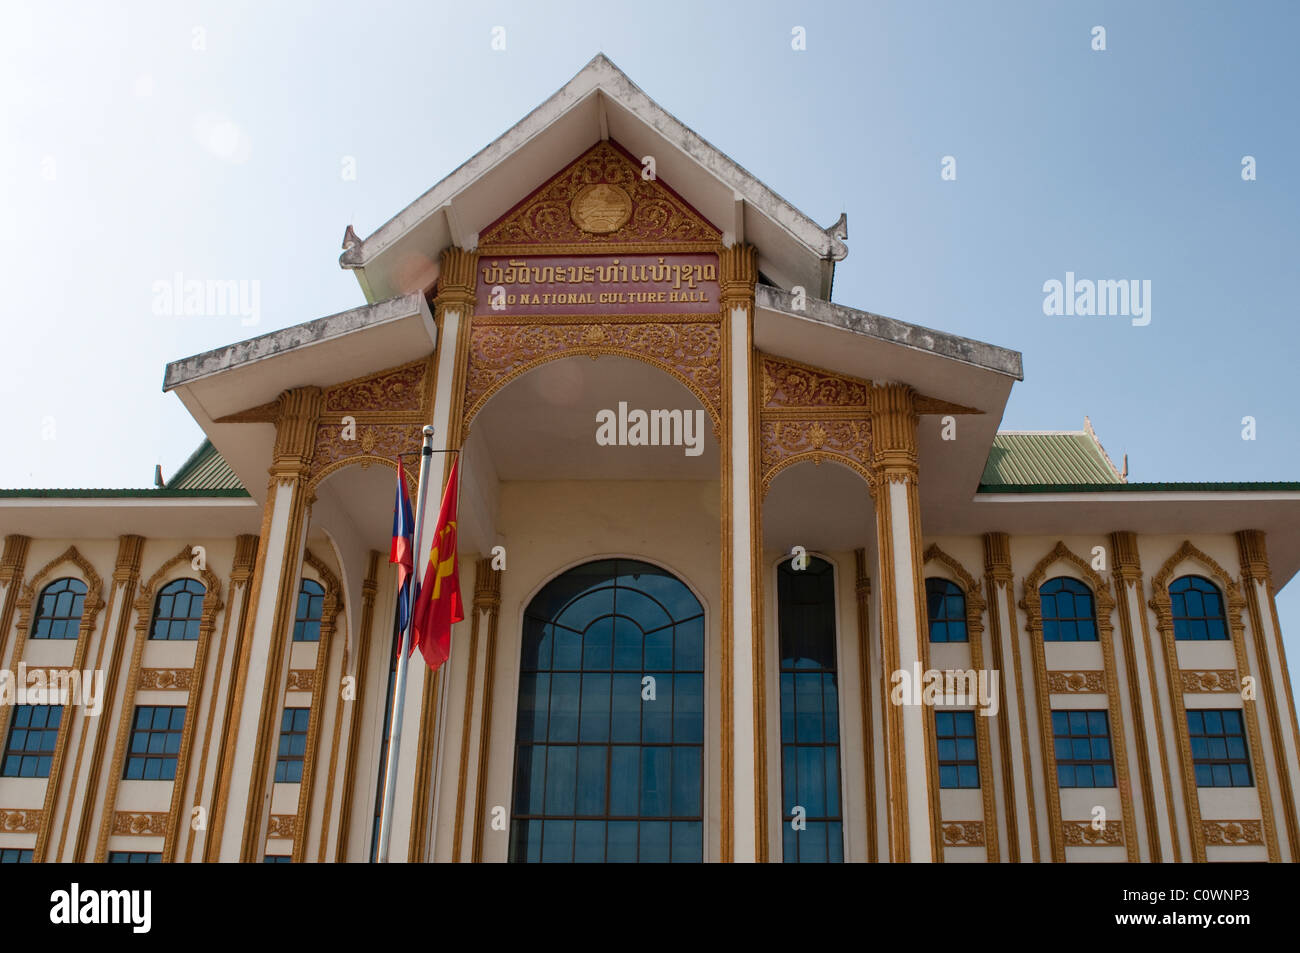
[438,605]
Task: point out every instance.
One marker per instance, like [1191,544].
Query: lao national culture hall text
[729,593]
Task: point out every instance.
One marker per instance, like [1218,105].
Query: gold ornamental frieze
[606,198]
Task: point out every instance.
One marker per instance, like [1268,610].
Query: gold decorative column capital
[1124,556]
[894,422]
[487,586]
[127,567]
[245,558]
[456,279]
[737,275]
[14,557]
[1254,556]
[997,557]
[297,412]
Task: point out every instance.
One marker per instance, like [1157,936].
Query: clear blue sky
[128,155]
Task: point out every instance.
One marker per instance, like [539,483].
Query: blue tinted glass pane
[1213,722]
[557,841]
[655,842]
[621,842]
[689,646]
[831,705]
[688,842]
[564,707]
[586,609]
[659,650]
[568,650]
[688,709]
[788,777]
[595,708]
[626,706]
[808,708]
[561,775]
[657,713]
[686,782]
[787,706]
[530,771]
[812,843]
[627,645]
[598,645]
[591,780]
[589,842]
[656,780]
[624,781]
[811,785]
[648,613]
[1240,775]
[534,699]
[1103,776]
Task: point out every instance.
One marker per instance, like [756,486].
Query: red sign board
[597,284]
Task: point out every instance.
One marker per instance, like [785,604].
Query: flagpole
[403,658]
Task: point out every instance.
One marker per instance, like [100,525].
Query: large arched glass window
[1197,607]
[945,604]
[610,732]
[311,603]
[58,611]
[1068,613]
[812,824]
[177,612]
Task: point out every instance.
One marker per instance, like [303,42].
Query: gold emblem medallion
[601,208]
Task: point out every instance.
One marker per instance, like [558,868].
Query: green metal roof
[1229,487]
[205,470]
[1037,459]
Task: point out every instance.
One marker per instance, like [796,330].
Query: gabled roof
[599,103]
[1065,457]
[205,470]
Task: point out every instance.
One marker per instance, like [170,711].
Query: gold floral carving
[140,824]
[302,679]
[20,821]
[1092,682]
[787,442]
[1233,833]
[963,833]
[1215,680]
[690,352]
[166,679]
[374,443]
[396,389]
[790,385]
[1083,834]
[600,200]
[809,414]
[282,825]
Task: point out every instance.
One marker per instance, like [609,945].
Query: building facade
[748,575]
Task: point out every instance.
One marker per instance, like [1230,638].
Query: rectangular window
[155,743]
[958,762]
[32,737]
[134,857]
[1083,758]
[15,855]
[1219,750]
[812,823]
[293,744]
[277,859]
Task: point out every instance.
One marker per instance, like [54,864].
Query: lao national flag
[400,553]
[438,605]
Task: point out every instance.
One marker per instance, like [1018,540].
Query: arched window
[810,715]
[177,611]
[945,604]
[58,611]
[610,733]
[1068,613]
[1198,610]
[311,602]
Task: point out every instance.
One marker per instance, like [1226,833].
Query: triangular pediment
[601,201]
